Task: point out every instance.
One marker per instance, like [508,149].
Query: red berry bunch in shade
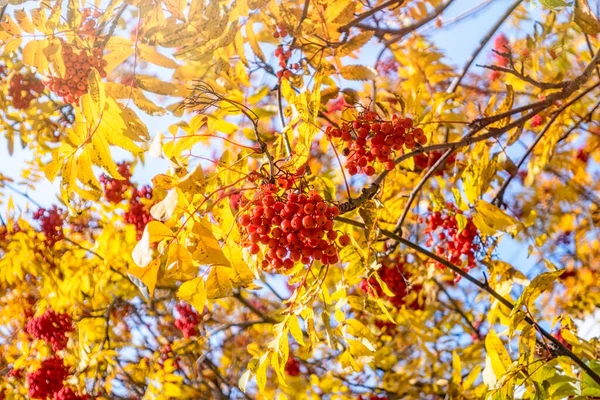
[138,214]
[395,275]
[188,319]
[456,246]
[114,189]
[385,326]
[281,30]
[536,121]
[23,89]
[52,327]
[88,22]
[501,45]
[284,57]
[291,226]
[67,393]
[78,64]
[51,222]
[372,397]
[583,155]
[370,139]
[48,379]
[292,367]
[387,67]
[424,161]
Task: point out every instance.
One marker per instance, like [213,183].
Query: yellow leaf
[147,276]
[158,231]
[155,85]
[218,283]
[176,7]
[180,265]
[119,50]
[494,217]
[8,25]
[96,89]
[261,372]
[205,249]
[164,209]
[585,18]
[52,168]
[506,105]
[456,368]
[358,73]
[144,104]
[103,157]
[294,327]
[538,285]
[38,17]
[29,51]
[24,21]
[194,292]
[193,182]
[150,54]
[254,42]
[85,172]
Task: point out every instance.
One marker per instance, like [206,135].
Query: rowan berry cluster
[501,45]
[114,189]
[48,379]
[188,319]
[387,67]
[284,56]
[583,155]
[394,274]
[67,393]
[536,121]
[291,225]
[51,223]
[458,246]
[23,89]
[292,367]
[372,397]
[78,66]
[52,327]
[88,22]
[138,214]
[370,139]
[425,161]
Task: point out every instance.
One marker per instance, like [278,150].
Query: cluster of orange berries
[23,89]
[78,66]
[370,139]
[424,161]
[395,275]
[291,226]
[458,246]
[284,56]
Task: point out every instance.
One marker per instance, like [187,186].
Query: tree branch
[367,14]
[485,287]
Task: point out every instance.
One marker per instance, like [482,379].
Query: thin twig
[367,14]
[456,82]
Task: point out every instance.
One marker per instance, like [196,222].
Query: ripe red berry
[344,240]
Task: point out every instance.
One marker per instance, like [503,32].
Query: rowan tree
[338,212]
